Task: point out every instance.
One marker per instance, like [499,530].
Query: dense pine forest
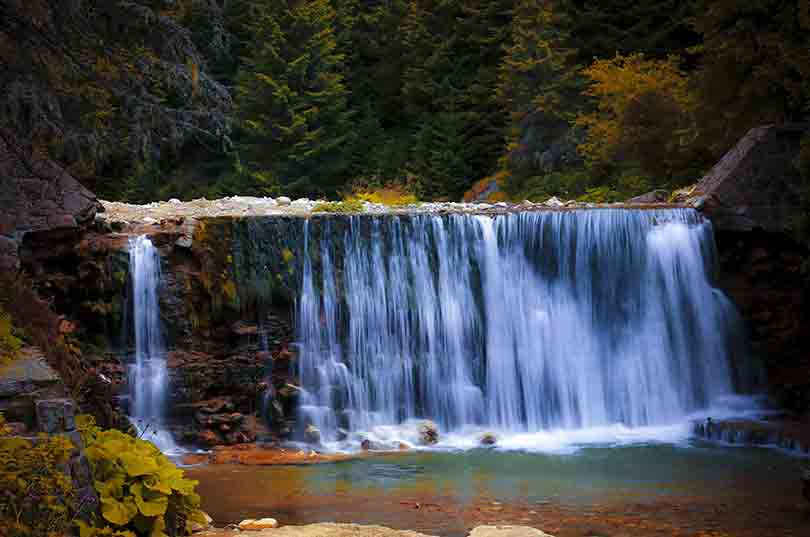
[599,100]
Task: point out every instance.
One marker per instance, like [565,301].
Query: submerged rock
[338,530]
[488,439]
[506,531]
[312,434]
[428,433]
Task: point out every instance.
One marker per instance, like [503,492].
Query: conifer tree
[539,91]
[296,125]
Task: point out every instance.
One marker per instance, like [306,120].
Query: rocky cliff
[41,207]
[753,197]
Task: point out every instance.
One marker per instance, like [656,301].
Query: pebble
[258,525]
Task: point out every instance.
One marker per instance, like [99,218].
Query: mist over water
[544,327]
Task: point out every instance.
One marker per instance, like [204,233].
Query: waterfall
[515,323]
[148,377]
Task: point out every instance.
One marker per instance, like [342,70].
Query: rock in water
[489,439]
[312,434]
[258,525]
[428,433]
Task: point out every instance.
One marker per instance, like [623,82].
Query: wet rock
[215,406]
[488,439]
[342,435]
[428,433]
[258,525]
[242,328]
[312,434]
[208,438]
[507,531]
[184,242]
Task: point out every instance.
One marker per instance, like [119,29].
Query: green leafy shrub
[36,495]
[600,194]
[141,491]
[348,206]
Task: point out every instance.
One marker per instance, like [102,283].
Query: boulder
[283,200]
[756,184]
[656,196]
[553,202]
[428,433]
[258,524]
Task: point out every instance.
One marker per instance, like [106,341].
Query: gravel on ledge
[242,206]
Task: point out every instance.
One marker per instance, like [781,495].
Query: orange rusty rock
[251,454]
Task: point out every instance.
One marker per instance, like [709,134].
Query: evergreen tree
[538,89]
[755,69]
[296,126]
[604,28]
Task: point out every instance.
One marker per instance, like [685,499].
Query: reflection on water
[446,493]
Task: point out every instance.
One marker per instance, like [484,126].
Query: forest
[597,100]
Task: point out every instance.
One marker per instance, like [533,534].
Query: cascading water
[148,377]
[518,323]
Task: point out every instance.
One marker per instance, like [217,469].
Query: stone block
[56,416]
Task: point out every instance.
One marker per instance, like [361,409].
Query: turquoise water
[589,475]
[679,488]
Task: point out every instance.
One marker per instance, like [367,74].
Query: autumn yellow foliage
[9,343]
[645,111]
[390,195]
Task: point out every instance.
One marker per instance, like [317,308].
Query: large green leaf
[136,464]
[118,512]
[149,503]
[158,484]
